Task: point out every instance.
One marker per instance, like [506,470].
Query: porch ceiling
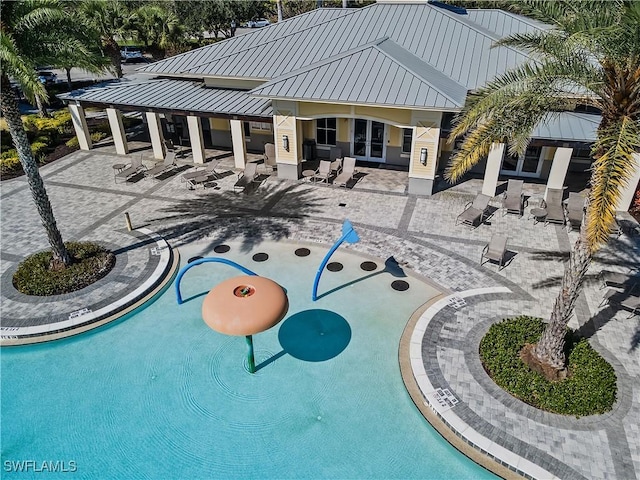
[173,95]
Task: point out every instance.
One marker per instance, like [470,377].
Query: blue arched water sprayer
[349,235]
[184,269]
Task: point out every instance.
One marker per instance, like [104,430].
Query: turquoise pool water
[160,395]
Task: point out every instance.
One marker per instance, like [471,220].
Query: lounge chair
[609,278]
[246,177]
[513,200]
[627,300]
[166,166]
[475,210]
[553,205]
[209,170]
[323,172]
[495,250]
[346,173]
[132,170]
[575,210]
[269,163]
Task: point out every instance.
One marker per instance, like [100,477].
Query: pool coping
[169,260]
[439,411]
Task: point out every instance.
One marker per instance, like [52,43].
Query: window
[261,126]
[326,131]
[407,135]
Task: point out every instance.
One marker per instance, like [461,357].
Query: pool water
[160,395]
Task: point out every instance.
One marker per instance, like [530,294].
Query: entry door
[528,165]
[369,140]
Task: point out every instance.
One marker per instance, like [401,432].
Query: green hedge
[90,263]
[590,388]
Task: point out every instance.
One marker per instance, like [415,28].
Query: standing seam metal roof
[171,94]
[392,77]
[449,42]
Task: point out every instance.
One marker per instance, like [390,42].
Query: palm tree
[19,21]
[591,57]
[111,19]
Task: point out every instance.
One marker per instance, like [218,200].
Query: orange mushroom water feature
[245,305]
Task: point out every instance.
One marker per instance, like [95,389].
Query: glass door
[368,142]
[528,165]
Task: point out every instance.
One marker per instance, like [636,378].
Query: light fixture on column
[285,142]
[423,156]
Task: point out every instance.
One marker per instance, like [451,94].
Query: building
[381,83]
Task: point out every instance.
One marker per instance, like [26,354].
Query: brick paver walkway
[420,233]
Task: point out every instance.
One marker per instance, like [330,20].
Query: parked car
[48,78]
[257,23]
[131,54]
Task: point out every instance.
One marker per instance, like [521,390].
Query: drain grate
[335,267]
[260,257]
[400,285]
[302,252]
[368,266]
[221,248]
[342,204]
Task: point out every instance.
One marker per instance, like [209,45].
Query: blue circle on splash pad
[314,335]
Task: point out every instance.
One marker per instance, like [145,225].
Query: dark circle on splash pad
[368,266]
[260,257]
[193,259]
[399,285]
[302,252]
[334,267]
[221,248]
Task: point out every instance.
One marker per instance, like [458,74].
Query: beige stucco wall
[220,124]
[319,110]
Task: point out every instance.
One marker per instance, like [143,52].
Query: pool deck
[419,232]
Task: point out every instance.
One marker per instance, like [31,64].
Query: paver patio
[420,233]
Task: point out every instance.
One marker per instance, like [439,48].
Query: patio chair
[610,278]
[513,200]
[575,210]
[495,250]
[167,165]
[323,172]
[335,153]
[269,163]
[209,170]
[246,177]
[132,170]
[346,173]
[627,300]
[553,206]
[475,210]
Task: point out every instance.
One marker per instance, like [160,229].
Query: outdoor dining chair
[513,200]
[495,250]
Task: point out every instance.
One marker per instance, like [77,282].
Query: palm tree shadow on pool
[312,336]
[391,266]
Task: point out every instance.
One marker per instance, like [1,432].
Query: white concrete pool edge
[445,410]
[161,248]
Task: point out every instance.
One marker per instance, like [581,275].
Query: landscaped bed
[90,262]
[590,387]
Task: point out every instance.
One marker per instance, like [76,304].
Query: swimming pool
[160,395]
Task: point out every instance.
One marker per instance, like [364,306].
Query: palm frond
[614,166]
[14,65]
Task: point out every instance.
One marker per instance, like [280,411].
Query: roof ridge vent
[446,6]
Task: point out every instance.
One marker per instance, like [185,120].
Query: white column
[629,190]
[117,131]
[155,133]
[197,141]
[80,126]
[239,147]
[491,172]
[559,168]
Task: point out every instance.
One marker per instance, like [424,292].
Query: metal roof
[450,43]
[381,73]
[502,23]
[568,126]
[172,94]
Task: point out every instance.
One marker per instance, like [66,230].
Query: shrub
[72,142]
[10,165]
[90,262]
[590,388]
[97,136]
[38,148]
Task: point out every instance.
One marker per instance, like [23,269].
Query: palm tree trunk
[42,109]
[69,84]
[548,355]
[10,111]
[279,5]
[112,49]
